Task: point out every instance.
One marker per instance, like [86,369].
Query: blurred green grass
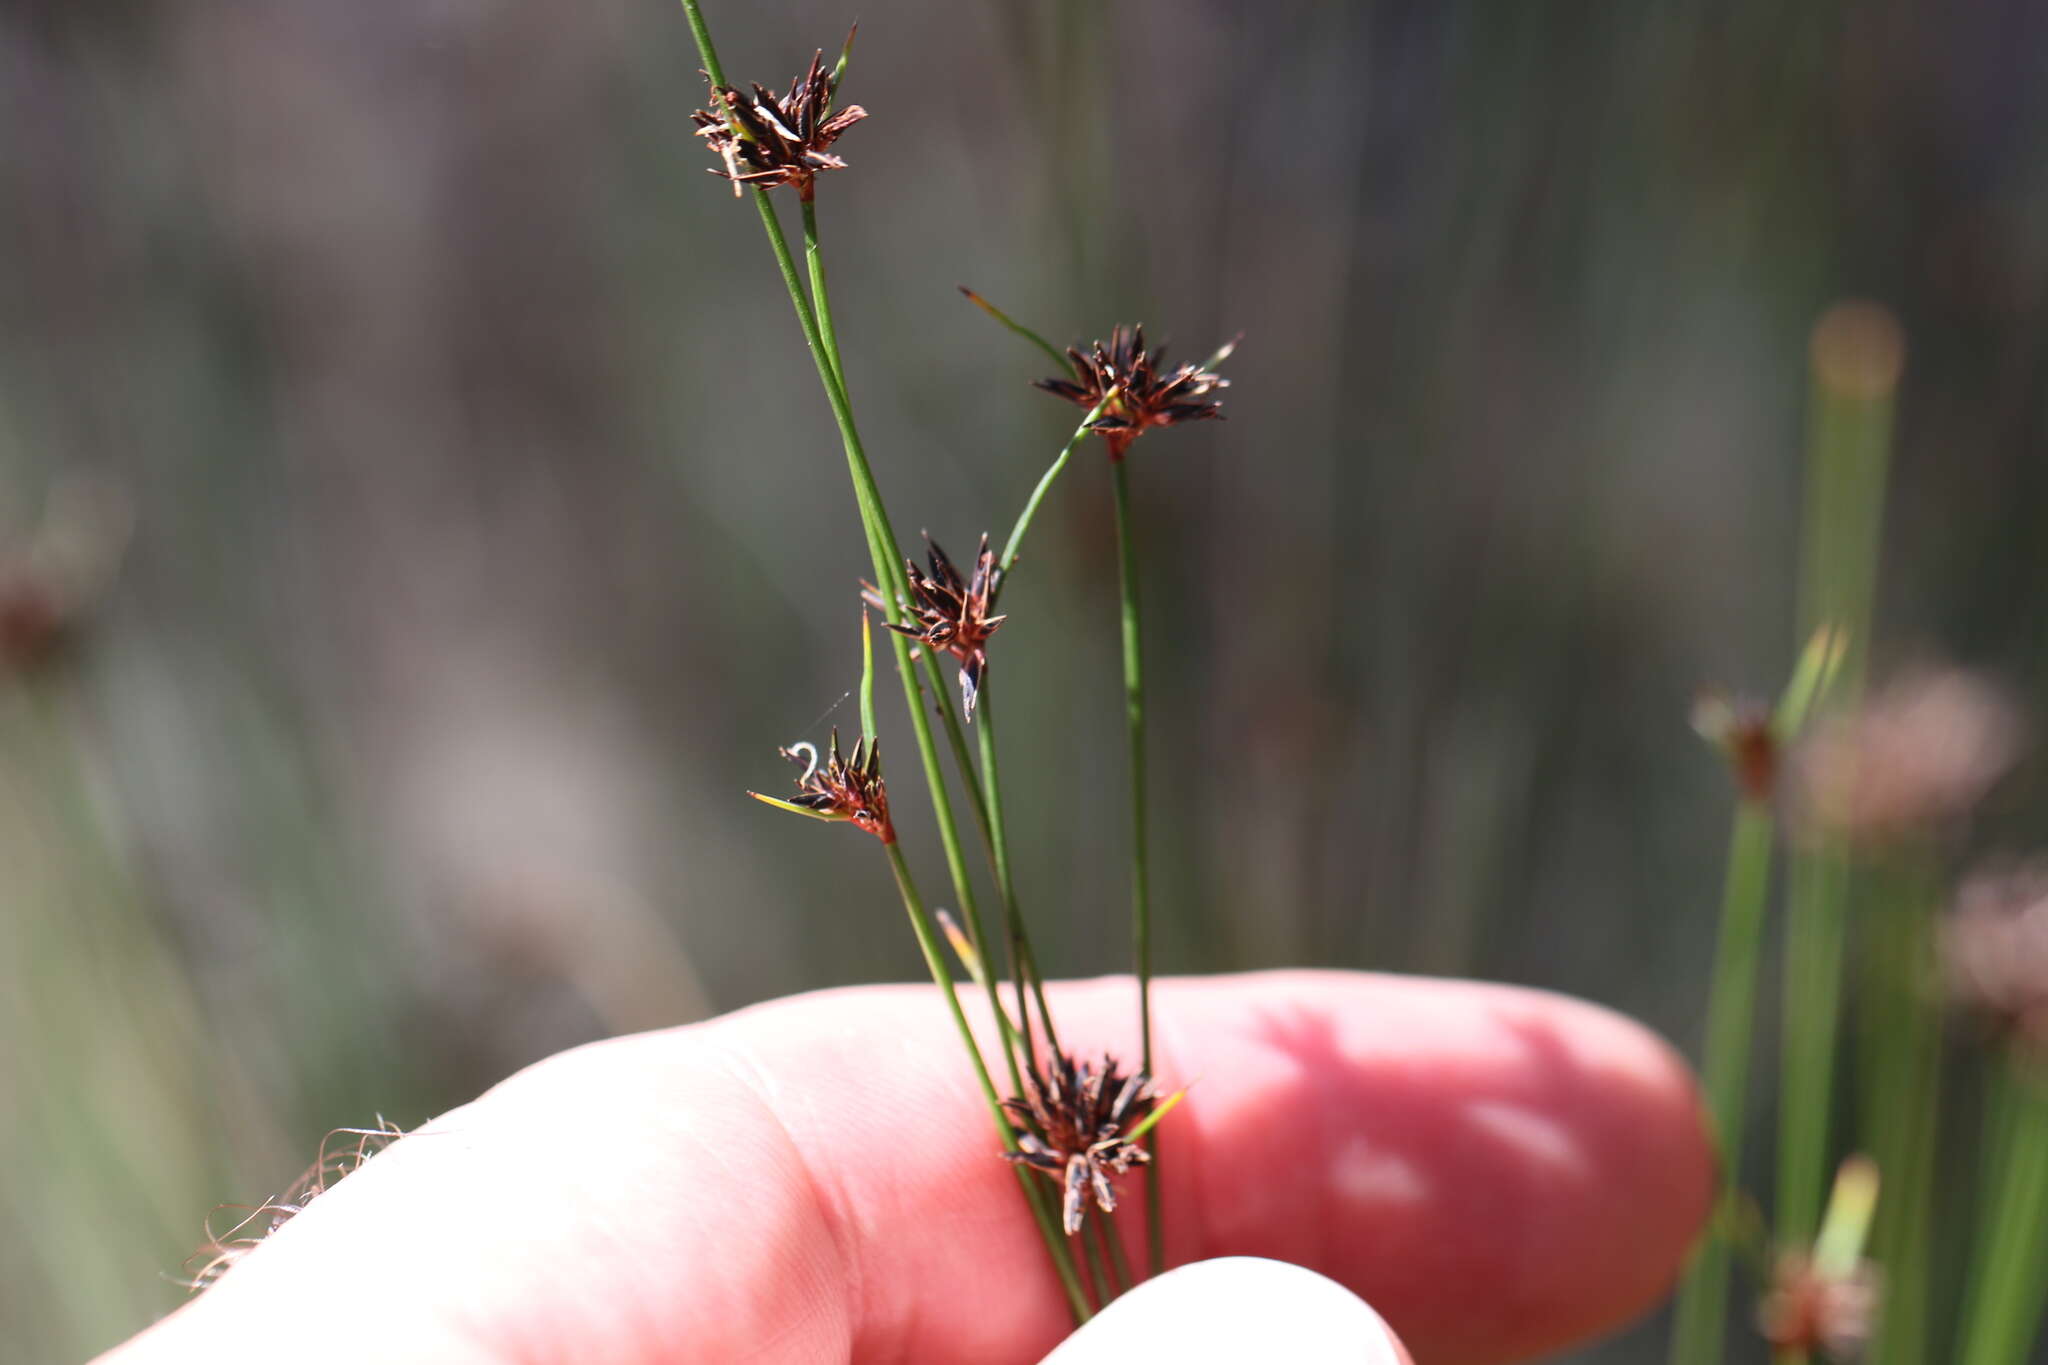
[490,534]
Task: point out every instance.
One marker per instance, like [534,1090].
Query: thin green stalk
[1022,961]
[820,299]
[889,578]
[1118,1276]
[999,853]
[1856,356]
[1118,1260]
[1816,935]
[1141,866]
[889,574]
[2009,1269]
[1902,1083]
[1098,1274]
[1015,544]
[1034,1193]
[1731,1006]
[1058,357]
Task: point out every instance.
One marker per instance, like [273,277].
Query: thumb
[1236,1308]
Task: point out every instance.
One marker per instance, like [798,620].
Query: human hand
[1499,1171]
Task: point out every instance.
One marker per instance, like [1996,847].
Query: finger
[1235,1308]
[1498,1171]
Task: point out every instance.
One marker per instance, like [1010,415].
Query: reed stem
[1731,1005]
[1141,867]
[2008,1279]
[1902,1084]
[1035,1193]
[882,550]
[1857,355]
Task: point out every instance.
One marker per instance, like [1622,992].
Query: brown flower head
[1994,951]
[1073,1121]
[1148,394]
[1810,1311]
[36,622]
[1741,729]
[58,575]
[1921,752]
[950,613]
[835,788]
[766,140]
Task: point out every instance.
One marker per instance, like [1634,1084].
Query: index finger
[1498,1171]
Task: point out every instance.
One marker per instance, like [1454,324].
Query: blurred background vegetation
[489,531]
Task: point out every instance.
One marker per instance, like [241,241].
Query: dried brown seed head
[834,787]
[767,140]
[1073,1119]
[1148,394]
[950,614]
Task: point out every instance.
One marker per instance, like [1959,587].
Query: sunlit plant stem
[1702,1301]
[889,577]
[1141,864]
[2008,1275]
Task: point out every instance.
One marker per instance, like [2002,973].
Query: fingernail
[1234,1309]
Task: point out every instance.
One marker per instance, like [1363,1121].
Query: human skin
[1500,1172]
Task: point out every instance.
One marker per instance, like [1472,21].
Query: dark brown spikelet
[837,788]
[1072,1120]
[766,140]
[1148,393]
[949,613]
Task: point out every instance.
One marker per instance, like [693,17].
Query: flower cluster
[766,140]
[837,788]
[950,614]
[1146,393]
[1075,1120]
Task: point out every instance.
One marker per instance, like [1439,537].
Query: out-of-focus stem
[1901,1077]
[1857,355]
[2008,1278]
[1731,1007]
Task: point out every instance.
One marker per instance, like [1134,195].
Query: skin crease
[1500,1172]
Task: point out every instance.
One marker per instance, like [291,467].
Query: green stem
[1848,444]
[1098,1274]
[1141,876]
[1731,1006]
[2009,1270]
[1902,1081]
[882,542]
[999,854]
[1118,1260]
[889,578]
[1118,1276]
[820,299]
[1816,930]
[1034,1193]
[1015,543]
